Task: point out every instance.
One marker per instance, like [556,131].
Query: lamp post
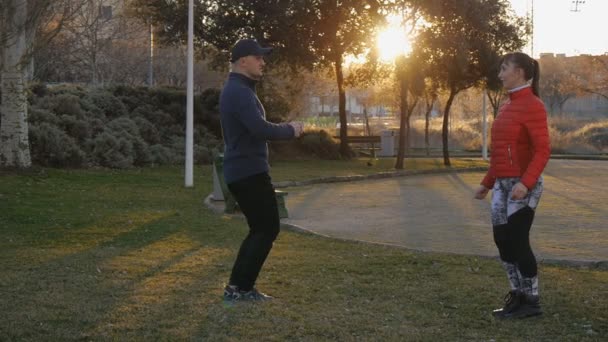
[190,99]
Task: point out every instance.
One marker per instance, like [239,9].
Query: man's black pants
[256,198]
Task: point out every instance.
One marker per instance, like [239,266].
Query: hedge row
[120,127]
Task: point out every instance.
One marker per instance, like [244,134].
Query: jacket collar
[523,92]
[243,79]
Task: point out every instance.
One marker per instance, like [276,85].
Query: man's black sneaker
[255,295]
[232,293]
[513,300]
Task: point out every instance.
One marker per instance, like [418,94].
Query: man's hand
[481,192]
[298,128]
[519,191]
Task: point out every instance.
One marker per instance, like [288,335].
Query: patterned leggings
[511,221]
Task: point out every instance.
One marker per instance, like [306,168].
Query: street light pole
[484,148]
[190,99]
[151,58]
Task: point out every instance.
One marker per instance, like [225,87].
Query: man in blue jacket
[246,133]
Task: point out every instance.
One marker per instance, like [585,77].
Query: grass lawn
[133,255]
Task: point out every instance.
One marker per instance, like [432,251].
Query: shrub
[112,151]
[147,130]
[210,111]
[109,104]
[177,111]
[76,128]
[77,91]
[91,110]
[161,155]
[50,146]
[38,115]
[96,125]
[39,89]
[320,144]
[126,128]
[595,134]
[168,96]
[67,104]
[153,115]
[559,140]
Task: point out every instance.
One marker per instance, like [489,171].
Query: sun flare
[393,41]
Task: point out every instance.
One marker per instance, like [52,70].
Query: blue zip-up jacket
[246,130]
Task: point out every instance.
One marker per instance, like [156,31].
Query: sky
[558,29]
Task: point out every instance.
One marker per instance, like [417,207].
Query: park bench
[361,139]
[230,203]
[373,140]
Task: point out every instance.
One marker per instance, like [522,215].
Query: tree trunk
[14,142]
[427,118]
[369,131]
[494,96]
[344,150]
[402,125]
[444,132]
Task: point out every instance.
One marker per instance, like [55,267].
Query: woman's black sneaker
[513,300]
[519,305]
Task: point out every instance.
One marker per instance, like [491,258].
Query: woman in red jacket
[520,151]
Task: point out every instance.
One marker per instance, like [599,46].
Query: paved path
[438,213]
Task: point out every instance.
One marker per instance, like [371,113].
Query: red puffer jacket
[520,140]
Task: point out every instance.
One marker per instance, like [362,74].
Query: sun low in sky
[560,26]
[393,40]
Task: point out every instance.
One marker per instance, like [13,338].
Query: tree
[19,23]
[492,84]
[593,75]
[312,33]
[457,42]
[14,30]
[557,83]
[97,44]
[410,76]
[430,95]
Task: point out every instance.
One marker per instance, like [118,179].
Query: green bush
[109,104]
[67,104]
[152,114]
[112,151]
[320,144]
[597,135]
[51,146]
[210,110]
[118,127]
[38,115]
[161,155]
[132,97]
[39,89]
[147,130]
[77,91]
[76,128]
[125,128]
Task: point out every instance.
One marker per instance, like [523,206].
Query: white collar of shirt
[519,88]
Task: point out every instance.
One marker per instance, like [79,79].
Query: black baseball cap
[247,47]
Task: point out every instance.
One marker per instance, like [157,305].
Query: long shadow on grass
[65,296]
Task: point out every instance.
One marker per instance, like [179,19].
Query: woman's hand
[519,191]
[481,192]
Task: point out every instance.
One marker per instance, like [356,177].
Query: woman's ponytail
[535,78]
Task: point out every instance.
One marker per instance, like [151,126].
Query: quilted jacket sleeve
[489,180]
[538,132]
